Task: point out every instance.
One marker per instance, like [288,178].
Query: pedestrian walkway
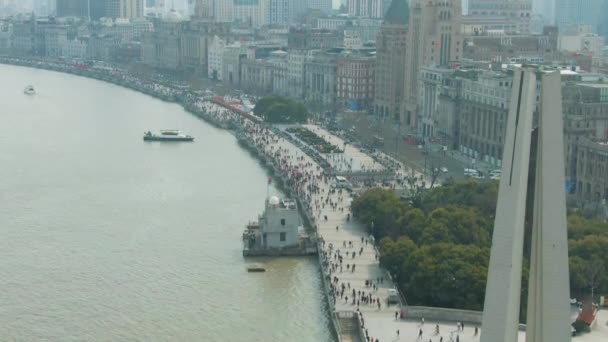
[352,160]
[384,327]
[343,238]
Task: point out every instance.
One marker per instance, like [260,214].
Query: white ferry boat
[167,135]
[29,90]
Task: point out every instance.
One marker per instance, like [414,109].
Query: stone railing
[442,314]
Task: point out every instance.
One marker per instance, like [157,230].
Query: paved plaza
[353,159]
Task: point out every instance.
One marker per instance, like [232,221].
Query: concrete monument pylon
[548,315]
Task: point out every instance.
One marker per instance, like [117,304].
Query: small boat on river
[255,268]
[29,90]
[167,135]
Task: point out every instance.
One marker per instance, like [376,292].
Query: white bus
[470,172]
[342,183]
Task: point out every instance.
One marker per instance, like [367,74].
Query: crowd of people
[329,208]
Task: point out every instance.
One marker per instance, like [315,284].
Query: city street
[366,127]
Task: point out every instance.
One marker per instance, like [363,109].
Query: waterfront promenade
[355,281]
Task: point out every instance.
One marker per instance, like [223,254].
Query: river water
[105,237]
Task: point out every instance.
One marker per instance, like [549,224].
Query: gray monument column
[548,316]
[503,289]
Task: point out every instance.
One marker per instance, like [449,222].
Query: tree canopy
[279,109]
[438,247]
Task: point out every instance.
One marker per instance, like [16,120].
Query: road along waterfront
[105,237]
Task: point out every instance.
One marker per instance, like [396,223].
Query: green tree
[379,209]
[481,195]
[412,224]
[394,253]
[279,109]
[577,275]
[579,227]
[447,275]
[437,247]
[590,247]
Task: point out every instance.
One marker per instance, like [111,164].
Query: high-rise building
[321,5]
[390,60]
[124,8]
[279,11]
[97,9]
[44,7]
[251,13]
[505,15]
[434,38]
[365,8]
[203,9]
[570,13]
[72,8]
[545,9]
[602,27]
[355,80]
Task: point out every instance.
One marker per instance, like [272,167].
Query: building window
[282,222]
[282,237]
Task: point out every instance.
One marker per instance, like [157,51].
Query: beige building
[265,76]
[320,79]
[355,80]
[434,38]
[196,37]
[232,57]
[592,170]
[483,115]
[249,13]
[508,16]
[390,61]
[581,39]
[295,71]
[434,118]
[517,48]
[256,76]
[585,107]
[162,47]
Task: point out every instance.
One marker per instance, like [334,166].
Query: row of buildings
[467,109]
[73,39]
[253,13]
[442,75]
